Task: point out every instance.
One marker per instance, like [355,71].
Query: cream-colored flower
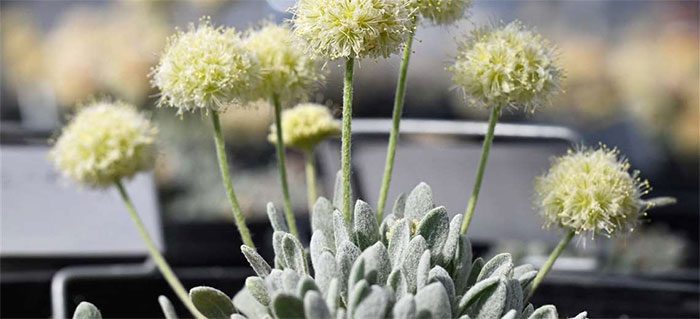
[507,66]
[305,125]
[105,143]
[205,68]
[353,28]
[443,11]
[286,70]
[591,191]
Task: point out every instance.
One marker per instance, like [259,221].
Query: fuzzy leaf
[405,308]
[418,202]
[341,229]
[434,227]
[294,255]
[357,273]
[582,315]
[167,307]
[287,306]
[512,314]
[247,305]
[211,302]
[439,274]
[545,312]
[376,259]
[451,243]
[276,219]
[400,237]
[257,288]
[527,312]
[326,270]
[333,296]
[345,259]
[290,280]
[259,265]
[397,283]
[462,265]
[338,190]
[411,259]
[359,292]
[277,238]
[237,316]
[399,206]
[514,298]
[86,310]
[475,271]
[423,270]
[317,246]
[305,285]
[374,305]
[493,303]
[499,265]
[474,293]
[322,220]
[388,222]
[365,226]
[432,300]
[315,306]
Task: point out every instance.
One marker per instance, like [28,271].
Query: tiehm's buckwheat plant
[304,126]
[105,143]
[287,74]
[208,69]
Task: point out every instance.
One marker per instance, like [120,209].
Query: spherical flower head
[507,66]
[353,28]
[591,191]
[286,70]
[205,68]
[442,12]
[305,125]
[104,143]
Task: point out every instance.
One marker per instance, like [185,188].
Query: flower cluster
[104,143]
[205,68]
[305,125]
[507,66]
[442,12]
[353,28]
[591,191]
[286,70]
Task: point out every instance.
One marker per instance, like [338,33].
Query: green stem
[486,149]
[394,135]
[550,262]
[346,137]
[310,168]
[228,185]
[281,166]
[163,266]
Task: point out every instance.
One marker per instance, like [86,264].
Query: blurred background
[632,82]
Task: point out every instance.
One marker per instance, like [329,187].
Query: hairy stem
[486,149]
[281,166]
[310,168]
[162,265]
[395,124]
[346,137]
[550,262]
[228,185]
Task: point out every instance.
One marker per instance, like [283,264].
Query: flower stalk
[161,263]
[310,168]
[228,184]
[486,149]
[281,166]
[346,138]
[395,125]
[550,262]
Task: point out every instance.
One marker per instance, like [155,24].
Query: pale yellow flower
[443,11]
[305,125]
[105,143]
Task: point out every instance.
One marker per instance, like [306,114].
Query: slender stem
[550,262]
[394,135]
[163,266]
[281,166]
[486,149]
[310,168]
[228,185]
[346,137]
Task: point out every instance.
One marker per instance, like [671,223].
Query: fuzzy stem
[163,266]
[228,185]
[310,168]
[281,161]
[550,262]
[486,149]
[346,137]
[395,123]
